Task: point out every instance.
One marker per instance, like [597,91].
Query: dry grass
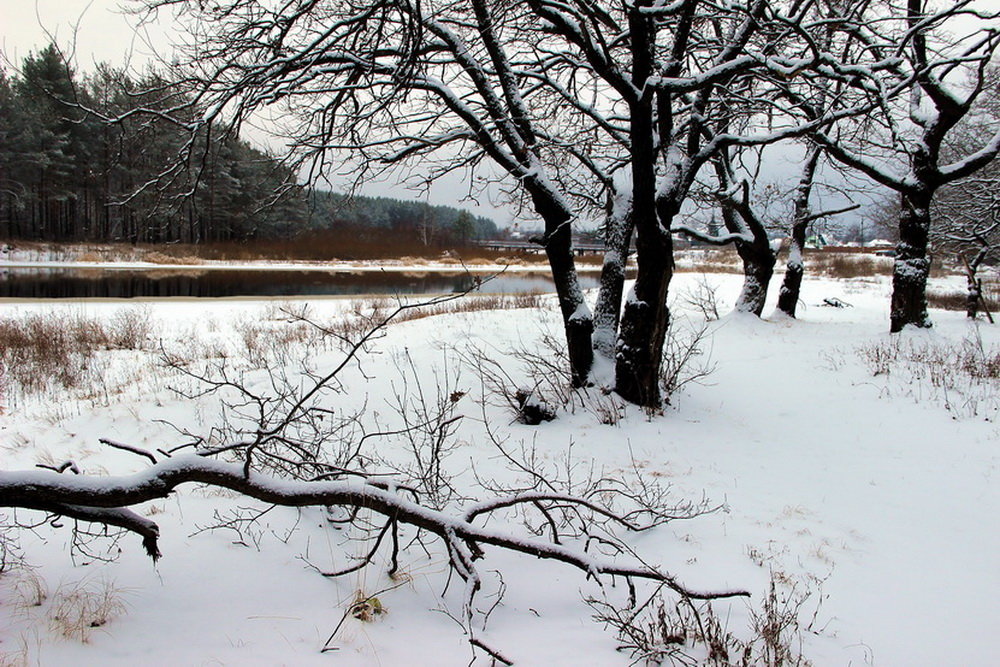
[847,265]
[709,260]
[19,658]
[473,304]
[78,608]
[963,377]
[30,590]
[956,299]
[158,257]
[339,245]
[688,633]
[39,351]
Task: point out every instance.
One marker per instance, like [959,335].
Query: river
[75,283]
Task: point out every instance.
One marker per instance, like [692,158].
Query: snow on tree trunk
[974,295]
[607,310]
[643,331]
[639,352]
[646,317]
[912,267]
[791,287]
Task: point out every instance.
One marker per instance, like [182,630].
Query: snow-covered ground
[876,495]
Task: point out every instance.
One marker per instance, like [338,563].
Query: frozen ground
[877,495]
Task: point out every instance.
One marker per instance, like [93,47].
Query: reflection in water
[116,284]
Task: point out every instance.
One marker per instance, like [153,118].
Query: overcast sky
[97,29]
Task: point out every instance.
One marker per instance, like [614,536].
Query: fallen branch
[105,499]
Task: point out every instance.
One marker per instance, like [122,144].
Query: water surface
[61,283]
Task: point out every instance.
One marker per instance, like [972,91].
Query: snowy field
[869,499]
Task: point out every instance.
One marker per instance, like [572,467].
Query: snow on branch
[106,499]
[724,239]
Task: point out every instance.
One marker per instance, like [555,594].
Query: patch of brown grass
[157,257]
[41,349]
[956,299]
[473,304]
[847,265]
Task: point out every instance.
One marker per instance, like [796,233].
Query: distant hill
[418,221]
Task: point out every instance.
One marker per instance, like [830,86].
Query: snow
[867,484]
[582,313]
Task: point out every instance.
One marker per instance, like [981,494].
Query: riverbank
[210,258]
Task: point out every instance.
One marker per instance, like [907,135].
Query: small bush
[685,359]
[963,377]
[690,633]
[703,298]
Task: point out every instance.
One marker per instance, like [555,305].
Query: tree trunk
[974,295]
[791,286]
[577,319]
[758,269]
[757,256]
[912,267]
[644,324]
[607,310]
[639,353]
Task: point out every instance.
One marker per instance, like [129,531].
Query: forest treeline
[67,174]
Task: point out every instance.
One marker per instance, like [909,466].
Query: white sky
[92,30]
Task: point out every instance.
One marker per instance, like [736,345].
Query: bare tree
[925,81]
[746,231]
[564,98]
[380,87]
[803,216]
[671,68]
[966,213]
[573,109]
[967,226]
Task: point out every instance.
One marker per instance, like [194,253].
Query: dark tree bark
[750,238]
[973,296]
[791,286]
[913,265]
[577,319]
